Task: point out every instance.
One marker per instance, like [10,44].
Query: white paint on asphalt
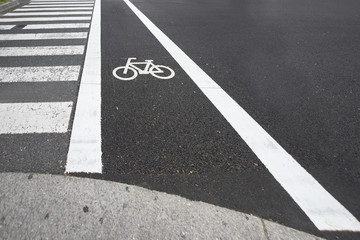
[57,26]
[57,5]
[322,208]
[85,144]
[43,36]
[22,14]
[41,117]
[62,2]
[52,9]
[6,27]
[45,19]
[41,51]
[39,74]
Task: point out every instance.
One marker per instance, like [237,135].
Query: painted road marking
[85,144]
[42,36]
[57,26]
[47,19]
[41,51]
[46,117]
[6,27]
[21,14]
[52,9]
[52,3]
[57,5]
[322,208]
[158,71]
[39,74]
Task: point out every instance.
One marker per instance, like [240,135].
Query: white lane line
[85,144]
[6,27]
[41,51]
[42,36]
[21,14]
[57,26]
[39,74]
[56,5]
[322,208]
[44,19]
[42,117]
[53,9]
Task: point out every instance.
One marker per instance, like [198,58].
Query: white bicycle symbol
[158,71]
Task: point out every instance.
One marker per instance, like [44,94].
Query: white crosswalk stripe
[51,3]
[6,27]
[57,26]
[51,9]
[57,5]
[42,36]
[39,74]
[41,51]
[21,14]
[52,117]
[41,117]
[45,19]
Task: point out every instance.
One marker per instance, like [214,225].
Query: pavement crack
[265,230]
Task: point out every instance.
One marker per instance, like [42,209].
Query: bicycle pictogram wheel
[162,72]
[125,77]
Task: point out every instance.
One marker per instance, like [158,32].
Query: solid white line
[42,36]
[57,26]
[41,51]
[56,5]
[85,144]
[39,74]
[6,27]
[21,14]
[44,19]
[41,117]
[322,208]
[52,9]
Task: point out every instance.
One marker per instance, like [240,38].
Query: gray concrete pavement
[36,206]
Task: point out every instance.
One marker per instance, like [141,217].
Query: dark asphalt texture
[292,65]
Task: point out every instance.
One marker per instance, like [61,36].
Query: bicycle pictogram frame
[158,71]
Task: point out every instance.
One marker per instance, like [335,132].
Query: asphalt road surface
[292,65]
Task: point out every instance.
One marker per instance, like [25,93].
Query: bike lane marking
[319,205]
[85,143]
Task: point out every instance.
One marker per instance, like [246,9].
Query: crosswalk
[50,38]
